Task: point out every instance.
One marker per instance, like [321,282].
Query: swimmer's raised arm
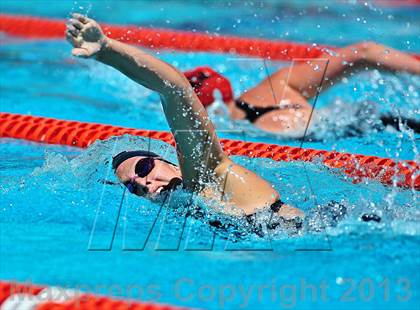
[184,112]
[205,168]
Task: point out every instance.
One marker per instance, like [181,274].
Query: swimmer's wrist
[105,47]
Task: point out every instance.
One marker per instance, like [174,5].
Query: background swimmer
[279,104]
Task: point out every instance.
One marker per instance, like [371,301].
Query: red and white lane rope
[404,173]
[44,28]
[17,296]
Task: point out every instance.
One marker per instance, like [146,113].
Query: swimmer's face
[153,183]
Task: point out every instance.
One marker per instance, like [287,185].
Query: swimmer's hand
[85,35]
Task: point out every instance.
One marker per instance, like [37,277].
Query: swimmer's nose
[148,185]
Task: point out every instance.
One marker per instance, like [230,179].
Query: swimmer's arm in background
[184,112]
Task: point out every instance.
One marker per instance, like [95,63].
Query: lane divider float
[404,173]
[18,296]
[44,28]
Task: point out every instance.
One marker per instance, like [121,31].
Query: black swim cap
[123,156]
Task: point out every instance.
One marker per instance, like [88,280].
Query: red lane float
[404,173]
[24,296]
[43,28]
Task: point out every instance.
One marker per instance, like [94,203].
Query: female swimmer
[279,104]
[203,166]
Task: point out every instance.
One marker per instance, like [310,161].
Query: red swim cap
[205,81]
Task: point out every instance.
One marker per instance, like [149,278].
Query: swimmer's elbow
[177,86]
[177,80]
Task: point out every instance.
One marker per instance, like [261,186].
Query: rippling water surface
[61,226]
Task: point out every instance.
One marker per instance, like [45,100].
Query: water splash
[66,190]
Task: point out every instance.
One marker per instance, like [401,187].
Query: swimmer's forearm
[141,67]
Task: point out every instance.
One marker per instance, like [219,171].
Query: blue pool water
[57,220]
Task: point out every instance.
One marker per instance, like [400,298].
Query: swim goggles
[142,169]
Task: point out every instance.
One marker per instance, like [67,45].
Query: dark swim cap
[123,156]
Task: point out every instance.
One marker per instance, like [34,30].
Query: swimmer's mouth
[171,186]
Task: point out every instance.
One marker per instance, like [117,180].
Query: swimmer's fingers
[75,23]
[74,40]
[83,19]
[72,30]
